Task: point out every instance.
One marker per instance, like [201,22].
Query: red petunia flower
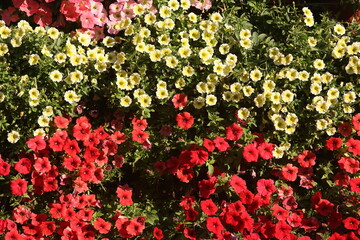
[290,203]
[139,136]
[71,147]
[9,15]
[356,122]
[179,100]
[207,187]
[246,196]
[279,213]
[234,132]
[265,150]
[184,120]
[47,227]
[294,220]
[265,187]
[185,174]
[187,202]
[282,229]
[158,233]
[190,234]
[355,185]
[18,186]
[351,223]
[214,225]
[4,168]
[124,193]
[21,214]
[36,143]
[43,16]
[353,146]
[324,207]
[208,207]
[50,184]
[250,153]
[134,228]
[191,214]
[100,133]
[238,184]
[333,143]
[337,236]
[345,129]
[72,162]
[349,164]
[139,124]
[306,159]
[221,144]
[56,143]
[42,165]
[61,122]
[81,131]
[102,226]
[118,137]
[289,172]
[209,145]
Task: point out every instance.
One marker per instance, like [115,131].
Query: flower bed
[179,120]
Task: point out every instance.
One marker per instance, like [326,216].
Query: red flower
[118,137]
[289,172]
[351,223]
[4,168]
[306,159]
[8,15]
[310,224]
[91,154]
[333,143]
[294,220]
[234,132]
[190,234]
[355,185]
[47,227]
[214,225]
[350,165]
[208,207]
[13,235]
[21,214]
[86,174]
[265,150]
[207,187]
[81,131]
[337,236]
[92,140]
[185,174]
[43,16]
[187,202]
[279,212]
[238,184]
[290,203]
[282,229]
[139,136]
[42,165]
[246,196]
[353,146]
[221,144]
[61,122]
[265,187]
[56,143]
[184,120]
[158,233]
[71,147]
[101,134]
[209,145]
[179,100]
[250,153]
[124,193]
[324,207]
[18,186]
[50,184]
[356,122]
[102,226]
[72,162]
[36,143]
[191,214]
[56,210]
[139,124]
[134,228]
[345,129]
